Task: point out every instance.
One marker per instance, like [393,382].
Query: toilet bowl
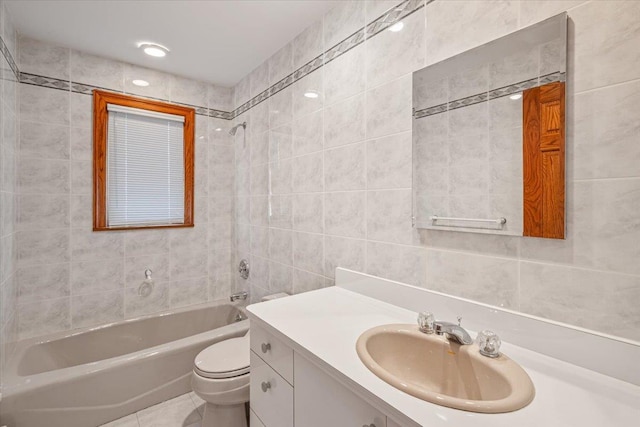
[221,378]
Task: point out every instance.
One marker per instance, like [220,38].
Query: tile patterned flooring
[182,411]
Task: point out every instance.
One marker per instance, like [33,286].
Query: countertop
[324,326]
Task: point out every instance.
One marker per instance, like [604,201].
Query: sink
[431,368]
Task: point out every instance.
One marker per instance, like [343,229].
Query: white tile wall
[69,276]
[361,164]
[9,146]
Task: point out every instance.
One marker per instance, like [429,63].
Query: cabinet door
[271,397]
[320,401]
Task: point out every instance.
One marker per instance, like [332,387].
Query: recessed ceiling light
[398,26]
[218,129]
[311,94]
[516,96]
[153,49]
[142,83]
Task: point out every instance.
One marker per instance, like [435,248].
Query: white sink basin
[432,368]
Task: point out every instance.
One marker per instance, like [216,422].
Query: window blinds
[145,167]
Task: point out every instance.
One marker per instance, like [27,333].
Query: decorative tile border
[393,15]
[492,94]
[7,55]
[389,18]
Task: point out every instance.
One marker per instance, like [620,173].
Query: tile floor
[182,411]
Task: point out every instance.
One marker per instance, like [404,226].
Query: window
[143,163]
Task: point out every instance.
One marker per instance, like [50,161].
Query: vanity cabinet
[287,390]
[321,401]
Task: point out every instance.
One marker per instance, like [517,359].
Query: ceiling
[215,41]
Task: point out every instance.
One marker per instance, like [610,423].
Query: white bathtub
[87,377]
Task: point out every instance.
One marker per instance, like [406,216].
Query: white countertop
[324,326]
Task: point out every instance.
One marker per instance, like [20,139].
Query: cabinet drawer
[273,351]
[254,421]
[321,401]
[271,397]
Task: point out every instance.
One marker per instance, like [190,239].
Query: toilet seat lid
[224,359]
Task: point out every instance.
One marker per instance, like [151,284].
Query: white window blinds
[145,168]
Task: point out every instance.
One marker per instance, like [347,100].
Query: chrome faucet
[239,296]
[451,331]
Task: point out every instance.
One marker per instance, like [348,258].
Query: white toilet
[221,378]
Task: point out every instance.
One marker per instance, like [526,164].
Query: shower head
[235,128]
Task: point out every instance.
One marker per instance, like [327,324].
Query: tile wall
[69,276]
[326,181]
[8,149]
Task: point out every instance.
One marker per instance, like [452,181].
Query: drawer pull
[266,386]
[265,347]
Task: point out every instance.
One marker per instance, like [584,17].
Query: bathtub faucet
[239,296]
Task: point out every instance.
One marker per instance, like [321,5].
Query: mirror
[488,136]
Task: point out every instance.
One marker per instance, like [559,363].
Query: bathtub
[87,377]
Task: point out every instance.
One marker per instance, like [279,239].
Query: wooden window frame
[100,127]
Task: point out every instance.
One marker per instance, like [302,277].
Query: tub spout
[239,296]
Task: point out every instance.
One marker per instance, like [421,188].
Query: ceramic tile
[43,317]
[388,108]
[484,279]
[393,54]
[345,168]
[344,76]
[160,84]
[138,305]
[280,143]
[280,246]
[307,45]
[405,264]
[451,29]
[80,143]
[44,105]
[280,278]
[344,122]
[97,276]
[307,173]
[308,252]
[136,266]
[96,71]
[307,212]
[280,108]
[259,213]
[43,59]
[307,134]
[303,281]
[42,282]
[605,133]
[96,309]
[44,141]
[281,212]
[344,214]
[590,299]
[303,92]
[389,162]
[188,291]
[180,411]
[344,253]
[259,79]
[281,64]
[343,20]
[389,216]
[89,246]
[42,247]
[35,212]
[605,40]
[260,241]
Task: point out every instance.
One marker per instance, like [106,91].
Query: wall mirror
[488,136]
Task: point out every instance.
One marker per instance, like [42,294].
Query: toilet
[221,378]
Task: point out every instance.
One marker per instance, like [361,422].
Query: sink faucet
[453,332]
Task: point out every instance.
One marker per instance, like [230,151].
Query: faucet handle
[426,322]
[489,343]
